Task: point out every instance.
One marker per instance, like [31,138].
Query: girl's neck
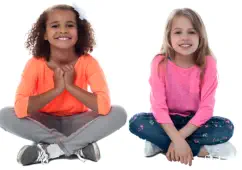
[184,61]
[63,57]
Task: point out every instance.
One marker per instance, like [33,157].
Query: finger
[64,68]
[173,155]
[177,157]
[62,72]
[71,67]
[168,155]
[190,161]
[68,67]
[191,158]
[186,159]
[182,159]
[58,71]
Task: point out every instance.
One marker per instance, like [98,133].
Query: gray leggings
[71,133]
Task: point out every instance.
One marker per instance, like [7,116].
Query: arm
[37,102]
[25,100]
[98,85]
[25,88]
[158,99]
[99,99]
[172,132]
[87,98]
[187,130]
[207,102]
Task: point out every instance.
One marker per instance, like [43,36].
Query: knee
[229,128]
[5,115]
[226,129]
[119,114]
[136,124]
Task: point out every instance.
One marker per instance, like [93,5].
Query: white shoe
[221,151]
[151,149]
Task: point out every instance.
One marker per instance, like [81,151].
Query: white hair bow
[80,11]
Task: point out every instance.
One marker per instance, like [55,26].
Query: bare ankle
[203,152]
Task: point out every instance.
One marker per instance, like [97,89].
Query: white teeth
[63,38]
[185,45]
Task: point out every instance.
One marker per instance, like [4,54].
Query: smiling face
[61,29]
[184,38]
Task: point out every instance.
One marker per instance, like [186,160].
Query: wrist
[69,87]
[183,134]
[178,139]
[58,91]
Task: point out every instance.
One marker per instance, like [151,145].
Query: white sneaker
[221,151]
[151,149]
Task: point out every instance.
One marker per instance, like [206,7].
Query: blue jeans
[215,131]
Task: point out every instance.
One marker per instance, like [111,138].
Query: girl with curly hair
[53,107]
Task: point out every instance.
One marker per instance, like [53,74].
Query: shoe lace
[214,155]
[80,155]
[43,155]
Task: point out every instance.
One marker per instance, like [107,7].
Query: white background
[129,34]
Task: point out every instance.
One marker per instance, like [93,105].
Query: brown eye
[178,32]
[192,32]
[54,26]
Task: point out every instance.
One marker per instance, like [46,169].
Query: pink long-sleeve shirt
[176,91]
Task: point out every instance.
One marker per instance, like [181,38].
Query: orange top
[37,78]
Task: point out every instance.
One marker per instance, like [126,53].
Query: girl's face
[61,29]
[184,38]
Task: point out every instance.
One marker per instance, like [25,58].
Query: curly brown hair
[40,48]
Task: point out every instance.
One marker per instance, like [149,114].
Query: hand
[183,151]
[69,75]
[171,154]
[59,79]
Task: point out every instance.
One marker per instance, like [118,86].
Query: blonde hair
[203,49]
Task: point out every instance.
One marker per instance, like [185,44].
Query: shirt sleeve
[158,95]
[98,85]
[25,88]
[208,91]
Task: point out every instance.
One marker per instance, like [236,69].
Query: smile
[185,45]
[63,38]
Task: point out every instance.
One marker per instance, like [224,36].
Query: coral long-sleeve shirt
[37,78]
[177,91]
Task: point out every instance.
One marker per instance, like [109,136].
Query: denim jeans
[215,131]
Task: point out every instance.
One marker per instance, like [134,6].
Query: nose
[63,30]
[184,36]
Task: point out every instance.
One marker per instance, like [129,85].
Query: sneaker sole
[149,156]
[96,150]
[25,152]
